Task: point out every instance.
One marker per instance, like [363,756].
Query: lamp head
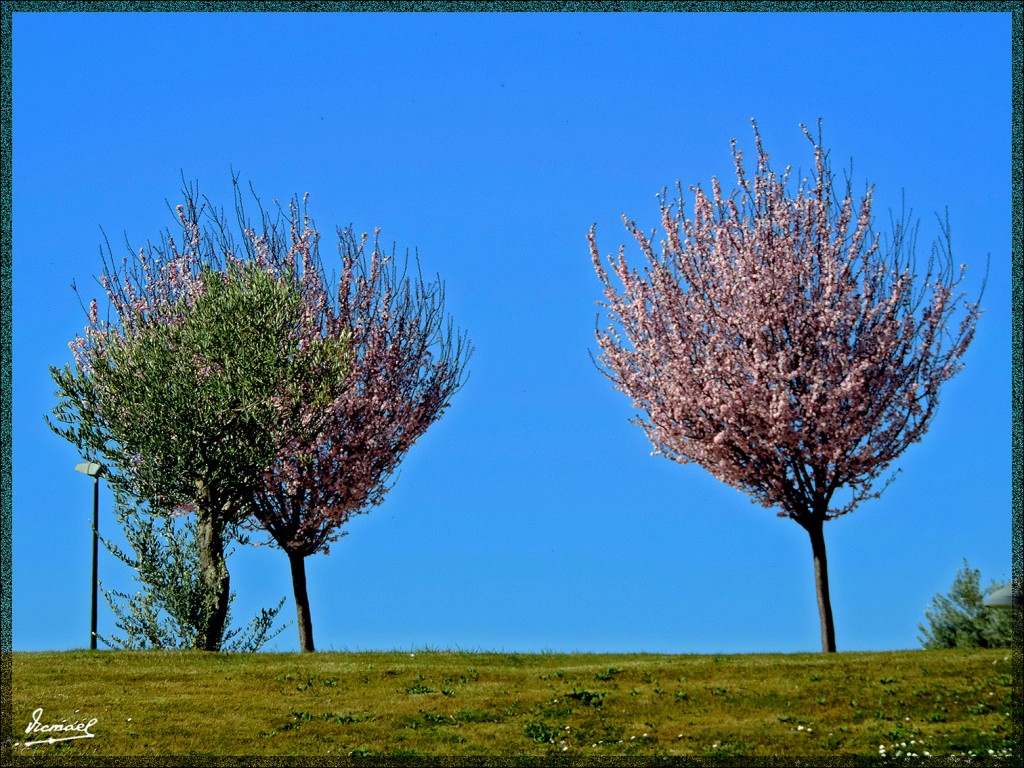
[90,468]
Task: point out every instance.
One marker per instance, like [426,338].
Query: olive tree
[204,366]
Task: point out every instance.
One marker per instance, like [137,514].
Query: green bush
[170,611]
[961,620]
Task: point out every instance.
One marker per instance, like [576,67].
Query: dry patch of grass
[581,706]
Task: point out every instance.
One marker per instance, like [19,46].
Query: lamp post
[93,470]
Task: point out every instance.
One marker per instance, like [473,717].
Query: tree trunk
[298,563]
[216,581]
[815,527]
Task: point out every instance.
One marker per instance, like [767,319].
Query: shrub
[961,620]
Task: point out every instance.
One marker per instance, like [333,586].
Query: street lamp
[93,470]
[1004,597]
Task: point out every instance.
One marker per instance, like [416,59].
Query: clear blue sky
[531,517]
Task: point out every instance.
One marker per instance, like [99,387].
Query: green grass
[428,704]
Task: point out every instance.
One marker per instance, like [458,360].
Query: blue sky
[532,516]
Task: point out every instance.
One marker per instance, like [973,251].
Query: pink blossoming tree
[778,342]
[406,364]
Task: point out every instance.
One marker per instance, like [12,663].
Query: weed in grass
[312,681]
[899,733]
[540,732]
[436,718]
[419,687]
[587,698]
[299,719]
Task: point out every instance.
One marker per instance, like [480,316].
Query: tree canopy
[239,382]
[780,343]
[407,361]
[210,361]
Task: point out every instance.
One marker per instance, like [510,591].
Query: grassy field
[579,707]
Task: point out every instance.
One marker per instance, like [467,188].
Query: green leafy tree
[962,620]
[207,367]
[169,612]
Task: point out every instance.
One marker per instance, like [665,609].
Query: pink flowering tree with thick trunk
[775,340]
[407,362]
